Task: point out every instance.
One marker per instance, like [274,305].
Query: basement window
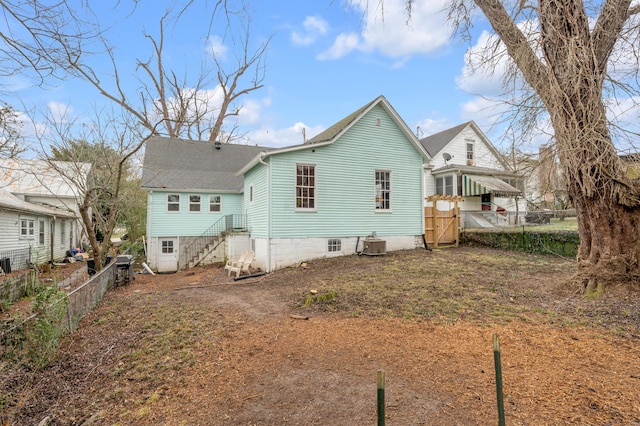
[334,245]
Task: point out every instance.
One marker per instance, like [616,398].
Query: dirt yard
[198,348]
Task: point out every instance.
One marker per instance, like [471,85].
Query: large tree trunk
[569,79]
[608,216]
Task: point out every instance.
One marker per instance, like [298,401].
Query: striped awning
[473,185]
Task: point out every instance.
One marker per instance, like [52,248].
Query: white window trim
[168,243]
[167,203]
[444,184]
[375,208]
[219,203]
[315,189]
[42,232]
[199,204]
[473,149]
[29,228]
[329,245]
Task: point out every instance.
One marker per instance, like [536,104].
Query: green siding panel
[345,184]
[185,223]
[256,210]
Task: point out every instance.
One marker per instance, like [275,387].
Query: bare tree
[194,110]
[10,140]
[58,39]
[565,58]
[110,143]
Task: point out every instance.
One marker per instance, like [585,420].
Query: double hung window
[383,190]
[305,186]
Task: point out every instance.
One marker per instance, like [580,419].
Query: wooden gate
[442,227]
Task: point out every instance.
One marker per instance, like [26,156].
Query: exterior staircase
[210,239]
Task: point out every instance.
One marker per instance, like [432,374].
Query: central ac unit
[374,247]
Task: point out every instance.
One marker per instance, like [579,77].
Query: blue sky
[325,60]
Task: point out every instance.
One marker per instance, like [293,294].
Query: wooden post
[456,212]
[435,223]
[380,398]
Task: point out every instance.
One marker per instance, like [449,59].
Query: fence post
[498,367]
[380,398]
[69,316]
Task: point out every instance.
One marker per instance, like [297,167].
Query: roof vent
[217,144]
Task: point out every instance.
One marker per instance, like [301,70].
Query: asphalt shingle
[190,165]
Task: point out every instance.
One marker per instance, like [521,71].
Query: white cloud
[314,27]
[430,126]
[251,111]
[279,138]
[393,33]
[478,78]
[59,112]
[344,44]
[217,48]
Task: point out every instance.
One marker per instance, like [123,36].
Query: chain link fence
[15,260]
[17,334]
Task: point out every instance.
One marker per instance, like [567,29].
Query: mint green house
[194,199]
[361,178]
[357,185]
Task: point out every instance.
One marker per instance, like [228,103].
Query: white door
[168,255]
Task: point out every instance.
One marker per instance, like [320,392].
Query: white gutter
[260,159]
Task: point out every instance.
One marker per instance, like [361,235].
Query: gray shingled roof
[434,143]
[195,165]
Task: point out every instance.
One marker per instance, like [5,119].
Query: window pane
[448,182]
[214,203]
[383,190]
[173,202]
[305,186]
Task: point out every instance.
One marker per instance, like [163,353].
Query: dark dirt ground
[197,348]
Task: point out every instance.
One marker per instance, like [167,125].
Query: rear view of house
[361,178]
[194,196]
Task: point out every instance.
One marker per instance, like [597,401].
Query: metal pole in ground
[380,398]
[498,367]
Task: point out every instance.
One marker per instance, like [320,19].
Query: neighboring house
[192,190]
[39,209]
[361,178]
[465,163]
[632,163]
[545,185]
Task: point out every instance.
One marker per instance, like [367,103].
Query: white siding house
[31,233]
[58,184]
[465,163]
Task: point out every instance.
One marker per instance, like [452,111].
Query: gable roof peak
[338,128]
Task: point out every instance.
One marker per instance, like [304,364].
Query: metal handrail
[230,222]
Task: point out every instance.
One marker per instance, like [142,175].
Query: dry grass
[489,286]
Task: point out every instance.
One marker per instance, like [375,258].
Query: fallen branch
[298,317]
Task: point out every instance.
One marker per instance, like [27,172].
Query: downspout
[148,229]
[52,232]
[268,211]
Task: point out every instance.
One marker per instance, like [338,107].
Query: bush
[44,333]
